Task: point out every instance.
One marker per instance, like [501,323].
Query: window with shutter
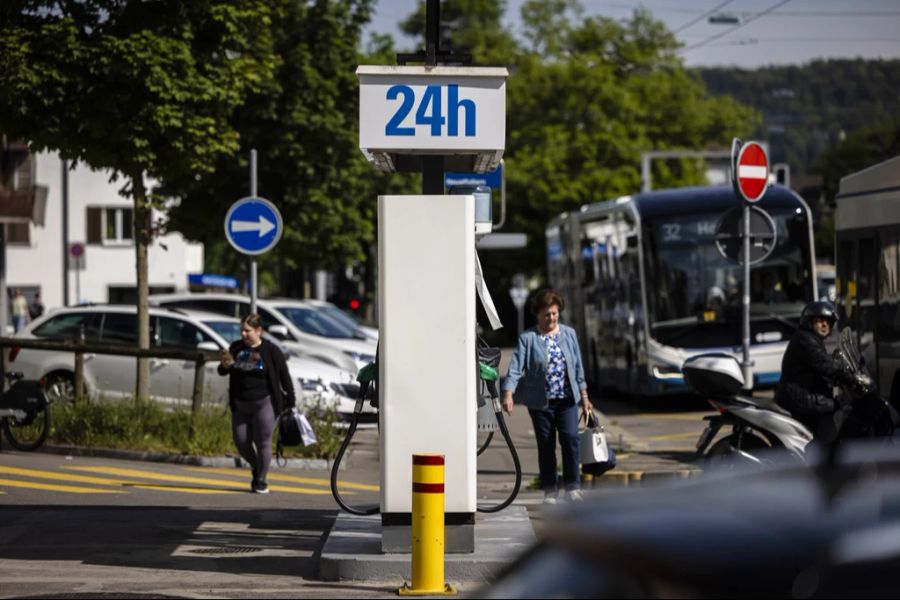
[94,225]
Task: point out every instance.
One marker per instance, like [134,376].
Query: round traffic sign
[752,171]
[253,225]
[763,235]
[76,249]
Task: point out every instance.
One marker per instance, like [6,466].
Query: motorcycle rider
[808,375]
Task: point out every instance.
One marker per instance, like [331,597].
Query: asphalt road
[95,526]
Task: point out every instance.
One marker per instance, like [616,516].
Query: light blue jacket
[528,368]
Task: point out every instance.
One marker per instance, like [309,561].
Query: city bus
[647,286]
[867,231]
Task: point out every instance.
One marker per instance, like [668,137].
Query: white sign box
[432,110]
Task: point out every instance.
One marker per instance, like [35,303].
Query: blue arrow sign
[253,225]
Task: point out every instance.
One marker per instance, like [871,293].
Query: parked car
[300,326]
[170,380]
[788,530]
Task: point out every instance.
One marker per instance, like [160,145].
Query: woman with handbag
[547,371]
[259,388]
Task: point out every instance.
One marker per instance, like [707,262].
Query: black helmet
[818,309]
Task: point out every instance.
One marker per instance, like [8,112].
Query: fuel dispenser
[428,375]
[409,415]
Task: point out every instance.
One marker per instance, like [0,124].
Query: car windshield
[340,316]
[694,293]
[229,330]
[311,321]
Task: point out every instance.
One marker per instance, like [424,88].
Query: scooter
[759,423]
[756,423]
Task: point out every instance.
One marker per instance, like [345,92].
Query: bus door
[888,317]
[858,264]
[633,300]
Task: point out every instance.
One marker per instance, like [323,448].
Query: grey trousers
[252,424]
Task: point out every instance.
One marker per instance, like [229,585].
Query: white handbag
[592,444]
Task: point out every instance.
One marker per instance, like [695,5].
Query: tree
[305,129]
[861,149]
[584,99]
[144,89]
[581,109]
[469,26]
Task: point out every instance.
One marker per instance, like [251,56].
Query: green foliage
[583,106]
[304,126]
[861,149]
[150,427]
[141,425]
[142,88]
[810,108]
[472,26]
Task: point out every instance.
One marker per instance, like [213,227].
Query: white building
[100,221]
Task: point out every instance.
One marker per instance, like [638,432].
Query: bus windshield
[694,293]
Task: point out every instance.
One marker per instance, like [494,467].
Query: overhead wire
[738,26]
[703,16]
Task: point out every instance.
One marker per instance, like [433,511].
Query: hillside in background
[808,109]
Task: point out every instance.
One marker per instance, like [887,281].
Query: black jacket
[808,374]
[281,388]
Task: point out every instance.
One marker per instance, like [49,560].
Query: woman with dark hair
[547,367]
[259,388]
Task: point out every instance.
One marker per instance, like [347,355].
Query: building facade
[92,257]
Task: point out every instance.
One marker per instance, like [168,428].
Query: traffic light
[355,304]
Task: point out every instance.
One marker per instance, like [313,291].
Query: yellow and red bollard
[427,528]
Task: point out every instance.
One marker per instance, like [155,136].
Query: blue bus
[647,286]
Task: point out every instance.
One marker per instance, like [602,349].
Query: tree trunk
[142,236]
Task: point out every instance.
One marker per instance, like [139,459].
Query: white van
[297,324]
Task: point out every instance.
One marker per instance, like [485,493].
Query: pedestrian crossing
[105,479]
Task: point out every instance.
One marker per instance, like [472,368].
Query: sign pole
[253,258]
[750,177]
[746,365]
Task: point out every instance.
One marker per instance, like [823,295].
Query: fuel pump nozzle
[366,378]
[488,363]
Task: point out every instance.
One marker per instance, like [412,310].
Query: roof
[706,199]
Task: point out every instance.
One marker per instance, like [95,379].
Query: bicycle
[25,412]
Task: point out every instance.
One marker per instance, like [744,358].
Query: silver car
[303,328]
[171,380]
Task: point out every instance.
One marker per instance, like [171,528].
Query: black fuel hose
[354,421]
[501,422]
[487,442]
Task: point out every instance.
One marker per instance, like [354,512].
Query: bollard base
[447,590]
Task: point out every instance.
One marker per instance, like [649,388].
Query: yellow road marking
[62,476]
[205,480]
[55,487]
[292,478]
[105,481]
[180,489]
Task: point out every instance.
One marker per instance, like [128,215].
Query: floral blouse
[557,379]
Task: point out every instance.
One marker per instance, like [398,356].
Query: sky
[768,32]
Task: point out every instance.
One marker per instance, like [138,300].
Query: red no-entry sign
[752,174]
